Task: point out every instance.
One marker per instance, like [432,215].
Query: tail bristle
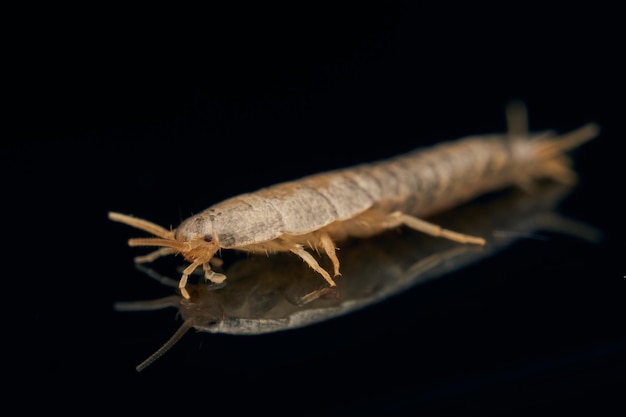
[560,144]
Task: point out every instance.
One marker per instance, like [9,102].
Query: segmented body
[361,201]
[357,201]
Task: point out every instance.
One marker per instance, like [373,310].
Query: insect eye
[208,238]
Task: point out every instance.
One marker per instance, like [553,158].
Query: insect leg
[183,279]
[329,248]
[310,260]
[433,229]
[211,275]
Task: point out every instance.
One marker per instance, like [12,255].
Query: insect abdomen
[425,181]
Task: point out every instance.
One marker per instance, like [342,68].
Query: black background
[160,113]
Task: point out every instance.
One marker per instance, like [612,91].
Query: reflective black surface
[158,129]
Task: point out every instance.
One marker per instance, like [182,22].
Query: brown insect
[318,210]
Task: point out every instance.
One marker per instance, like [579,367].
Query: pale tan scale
[319,210]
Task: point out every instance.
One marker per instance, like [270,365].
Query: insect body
[318,210]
